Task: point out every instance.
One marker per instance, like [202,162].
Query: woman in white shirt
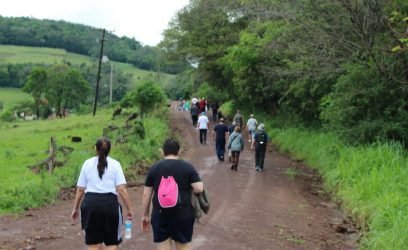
[100,181]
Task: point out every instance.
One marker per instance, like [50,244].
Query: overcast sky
[145,20]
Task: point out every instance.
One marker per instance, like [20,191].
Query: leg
[205,135]
[95,247]
[237,160]
[262,158]
[218,149]
[165,245]
[201,136]
[185,246]
[112,247]
[257,153]
[222,151]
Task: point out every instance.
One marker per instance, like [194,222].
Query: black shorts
[101,219]
[180,230]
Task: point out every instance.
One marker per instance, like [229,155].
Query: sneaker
[257,169]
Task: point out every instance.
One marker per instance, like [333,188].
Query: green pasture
[25,143]
[11,96]
[21,54]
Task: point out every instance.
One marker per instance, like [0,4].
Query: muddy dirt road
[279,208]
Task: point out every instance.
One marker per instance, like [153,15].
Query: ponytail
[103,147]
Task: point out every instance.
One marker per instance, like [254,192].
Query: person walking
[236,145]
[231,128]
[251,127]
[194,114]
[173,223]
[239,118]
[100,182]
[260,143]
[203,127]
[214,108]
[220,134]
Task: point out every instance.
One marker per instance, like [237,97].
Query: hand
[74,216]
[129,215]
[252,148]
[145,223]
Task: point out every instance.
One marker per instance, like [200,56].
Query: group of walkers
[233,138]
[101,181]
[169,185]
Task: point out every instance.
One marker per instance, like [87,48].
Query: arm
[75,211]
[198,187]
[121,189]
[147,197]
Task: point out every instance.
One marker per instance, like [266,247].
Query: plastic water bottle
[128,229]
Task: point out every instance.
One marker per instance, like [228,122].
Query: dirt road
[279,208]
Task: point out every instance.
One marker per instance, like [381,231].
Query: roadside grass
[371,181]
[12,96]
[27,143]
[22,54]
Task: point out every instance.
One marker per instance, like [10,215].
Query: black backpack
[260,139]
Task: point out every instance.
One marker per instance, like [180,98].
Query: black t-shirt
[220,131]
[194,110]
[184,174]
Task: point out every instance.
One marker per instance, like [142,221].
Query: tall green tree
[36,85]
[76,89]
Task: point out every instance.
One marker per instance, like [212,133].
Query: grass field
[11,96]
[25,143]
[20,54]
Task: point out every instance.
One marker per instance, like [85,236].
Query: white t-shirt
[111,178]
[203,122]
[251,124]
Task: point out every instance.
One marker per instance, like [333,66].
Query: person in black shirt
[214,108]
[260,143]
[194,114]
[175,223]
[220,134]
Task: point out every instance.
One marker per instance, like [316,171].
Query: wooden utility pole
[99,72]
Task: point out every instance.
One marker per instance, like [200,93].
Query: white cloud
[144,20]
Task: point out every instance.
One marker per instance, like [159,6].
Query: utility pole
[99,71]
[111,79]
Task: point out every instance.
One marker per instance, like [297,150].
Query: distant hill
[81,39]
[30,55]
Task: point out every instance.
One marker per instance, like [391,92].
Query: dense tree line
[81,39]
[341,63]
[62,86]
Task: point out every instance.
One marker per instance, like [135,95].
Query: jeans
[260,156]
[203,136]
[220,148]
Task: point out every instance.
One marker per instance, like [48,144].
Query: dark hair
[103,147]
[171,147]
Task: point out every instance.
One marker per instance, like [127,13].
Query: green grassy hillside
[21,54]
[11,96]
[25,143]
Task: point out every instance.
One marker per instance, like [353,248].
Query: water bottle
[128,229]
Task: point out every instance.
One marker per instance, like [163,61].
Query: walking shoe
[257,168]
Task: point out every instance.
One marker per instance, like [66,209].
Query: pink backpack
[168,192]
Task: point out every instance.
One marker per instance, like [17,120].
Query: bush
[365,107]
[7,116]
